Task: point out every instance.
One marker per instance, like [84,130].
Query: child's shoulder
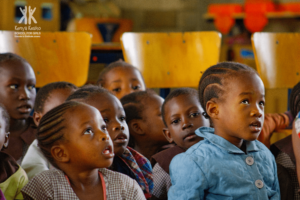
[113,176]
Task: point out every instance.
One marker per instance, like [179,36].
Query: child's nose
[186,124]
[257,112]
[105,137]
[118,127]
[24,94]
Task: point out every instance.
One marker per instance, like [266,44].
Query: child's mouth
[107,152]
[121,139]
[255,126]
[190,136]
[24,109]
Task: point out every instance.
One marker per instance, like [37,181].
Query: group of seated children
[119,140]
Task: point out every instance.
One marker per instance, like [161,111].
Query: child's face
[124,80]
[113,114]
[3,134]
[17,88]
[239,114]
[56,97]
[152,120]
[183,115]
[87,141]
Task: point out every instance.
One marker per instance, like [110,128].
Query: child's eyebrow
[87,122]
[249,93]
[116,81]
[104,110]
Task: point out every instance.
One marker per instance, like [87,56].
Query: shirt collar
[208,133]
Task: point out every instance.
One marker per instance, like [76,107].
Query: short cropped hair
[11,56]
[111,66]
[295,100]
[211,82]
[45,92]
[175,93]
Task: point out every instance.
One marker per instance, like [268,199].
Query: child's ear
[37,118]
[136,126]
[6,141]
[60,154]
[212,109]
[167,135]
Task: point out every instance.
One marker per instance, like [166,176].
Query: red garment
[273,122]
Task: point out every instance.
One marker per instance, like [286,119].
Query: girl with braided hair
[74,138]
[229,163]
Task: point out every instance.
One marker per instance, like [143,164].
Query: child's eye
[116,90]
[31,87]
[246,101]
[89,131]
[136,87]
[104,128]
[15,86]
[195,114]
[122,118]
[176,121]
[105,120]
[262,103]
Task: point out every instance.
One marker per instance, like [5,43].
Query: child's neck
[147,150]
[86,185]
[18,125]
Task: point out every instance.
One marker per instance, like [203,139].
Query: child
[127,160]
[182,115]
[143,116]
[17,94]
[74,139]
[48,97]
[229,163]
[284,154]
[121,78]
[12,176]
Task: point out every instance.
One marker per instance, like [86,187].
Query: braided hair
[175,93]
[211,84]
[45,92]
[295,100]
[88,91]
[111,66]
[51,129]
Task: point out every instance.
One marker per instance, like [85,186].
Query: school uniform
[18,145]
[12,177]
[53,184]
[216,169]
[286,164]
[161,177]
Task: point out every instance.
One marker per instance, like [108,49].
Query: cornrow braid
[211,82]
[175,93]
[45,92]
[133,106]
[88,91]
[295,100]
[11,56]
[51,128]
[111,66]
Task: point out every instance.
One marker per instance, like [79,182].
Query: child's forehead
[15,66]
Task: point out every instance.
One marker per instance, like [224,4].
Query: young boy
[17,94]
[182,115]
[143,116]
[48,97]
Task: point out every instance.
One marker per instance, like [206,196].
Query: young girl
[182,115]
[229,163]
[74,139]
[121,78]
[48,97]
[12,176]
[17,94]
[143,116]
[127,160]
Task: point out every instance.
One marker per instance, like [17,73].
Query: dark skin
[238,115]
[88,137]
[296,148]
[148,131]
[17,93]
[183,116]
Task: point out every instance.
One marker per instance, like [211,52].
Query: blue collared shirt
[216,169]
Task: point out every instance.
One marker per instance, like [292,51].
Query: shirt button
[259,184]
[249,160]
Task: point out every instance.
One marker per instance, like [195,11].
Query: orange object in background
[256,10]
[224,20]
[289,7]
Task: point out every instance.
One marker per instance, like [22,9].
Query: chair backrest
[112,27]
[171,59]
[54,56]
[277,57]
